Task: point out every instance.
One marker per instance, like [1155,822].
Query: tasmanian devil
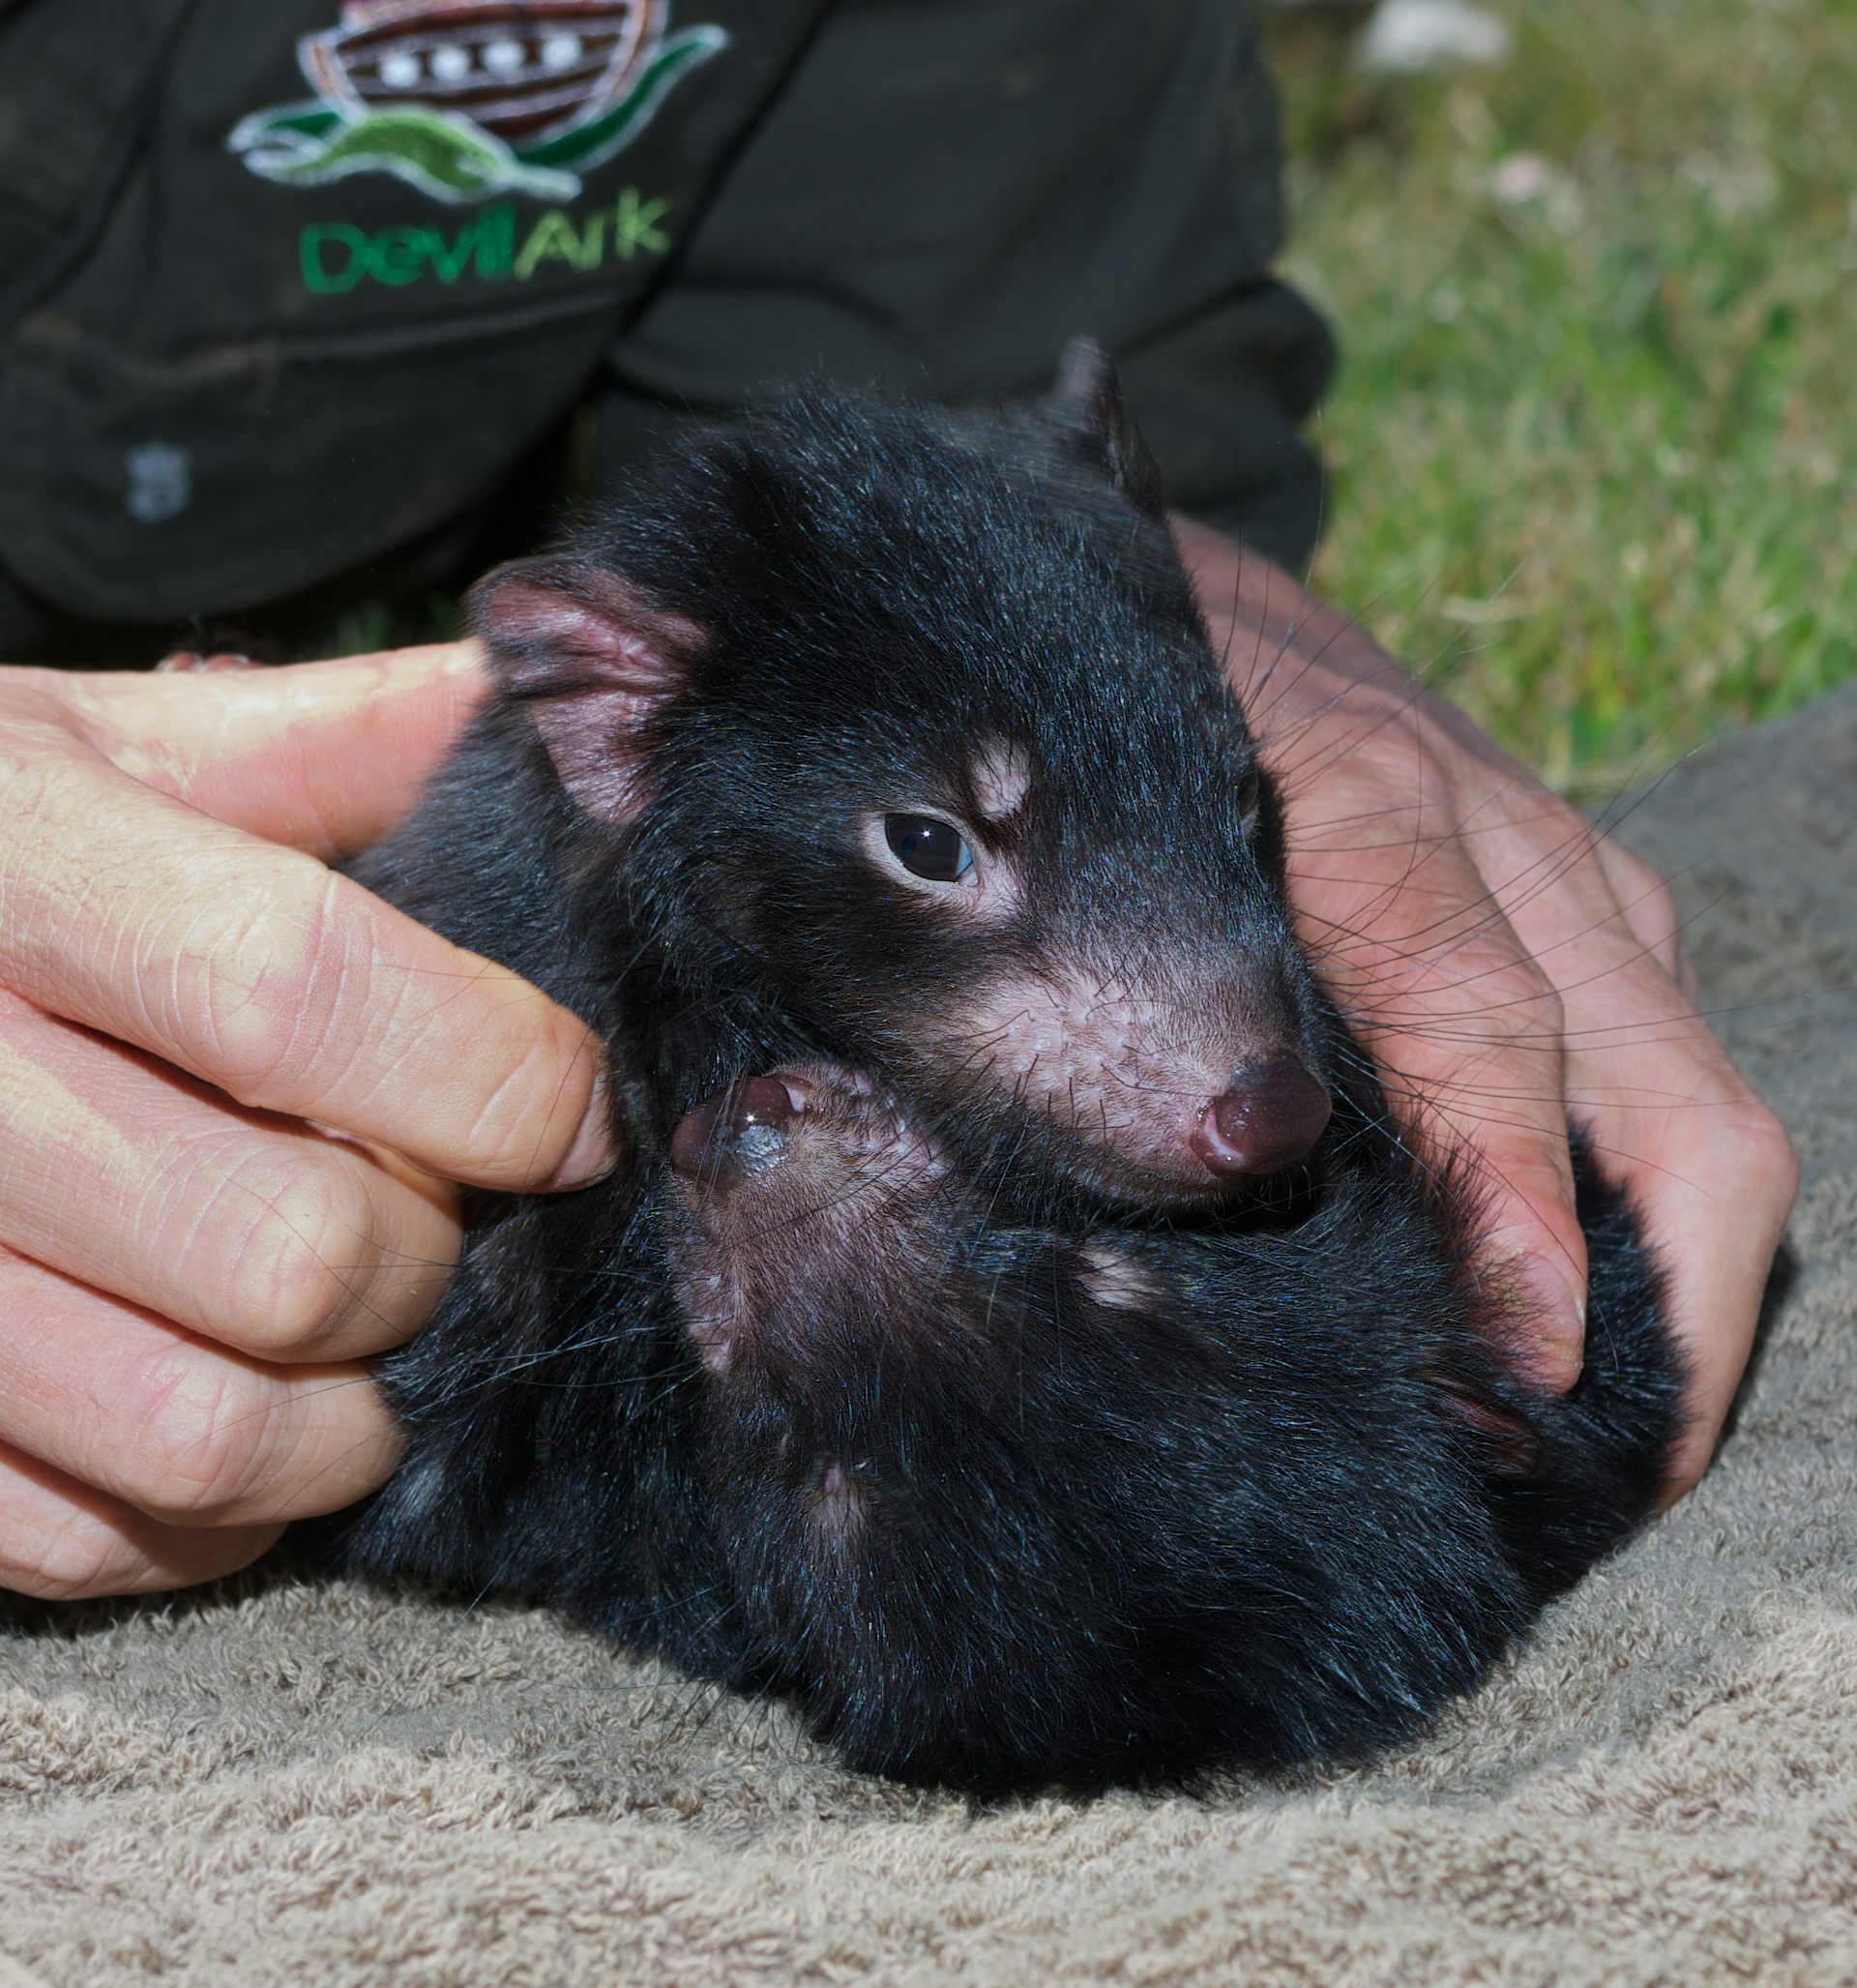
[1021,1335]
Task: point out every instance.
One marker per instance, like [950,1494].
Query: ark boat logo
[464,98]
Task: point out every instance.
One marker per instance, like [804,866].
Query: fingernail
[595,1151]
[1553,1321]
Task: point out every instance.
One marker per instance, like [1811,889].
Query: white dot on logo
[560,51]
[450,65]
[399,71]
[502,58]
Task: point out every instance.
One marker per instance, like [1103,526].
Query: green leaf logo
[439,152]
[448,155]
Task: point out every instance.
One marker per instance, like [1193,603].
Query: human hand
[1507,965]
[232,1085]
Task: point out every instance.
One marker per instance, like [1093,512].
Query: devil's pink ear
[593,660]
[1087,403]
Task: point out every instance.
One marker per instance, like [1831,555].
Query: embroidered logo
[464,99]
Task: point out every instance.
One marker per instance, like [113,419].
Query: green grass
[1592,451]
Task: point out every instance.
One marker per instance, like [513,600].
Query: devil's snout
[1269,1119]
[740,1132]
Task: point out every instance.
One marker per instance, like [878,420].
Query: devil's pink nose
[737,1132]
[1269,1119]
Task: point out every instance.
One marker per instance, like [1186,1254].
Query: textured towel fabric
[285,1780]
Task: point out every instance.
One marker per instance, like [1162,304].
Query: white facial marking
[837,1507]
[710,1333]
[1115,1280]
[1002,776]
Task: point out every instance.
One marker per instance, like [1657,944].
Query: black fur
[1285,1504]
[1000,1505]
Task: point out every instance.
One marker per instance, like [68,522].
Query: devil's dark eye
[1251,791]
[926,847]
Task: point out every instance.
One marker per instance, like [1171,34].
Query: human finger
[1649,908]
[1467,1031]
[1717,1207]
[262,1234]
[1562,882]
[180,1429]
[324,757]
[285,985]
[1707,1166]
[64,1541]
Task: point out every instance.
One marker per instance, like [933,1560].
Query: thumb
[322,756]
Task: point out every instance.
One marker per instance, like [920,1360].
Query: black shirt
[282,287]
